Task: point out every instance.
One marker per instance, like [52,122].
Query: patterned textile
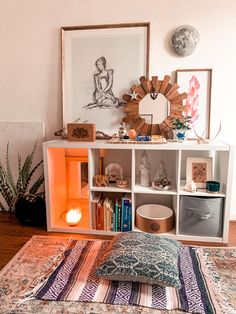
[142,257]
[42,254]
[75,280]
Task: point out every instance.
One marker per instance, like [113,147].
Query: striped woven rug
[75,280]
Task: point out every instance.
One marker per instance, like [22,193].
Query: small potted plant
[180,128]
[21,195]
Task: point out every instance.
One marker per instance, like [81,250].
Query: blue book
[124,214]
[129,216]
[116,211]
[119,218]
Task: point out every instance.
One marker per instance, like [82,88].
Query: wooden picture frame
[197,84]
[199,170]
[99,62]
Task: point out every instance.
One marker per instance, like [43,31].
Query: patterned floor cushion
[141,257]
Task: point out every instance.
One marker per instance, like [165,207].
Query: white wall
[30,84]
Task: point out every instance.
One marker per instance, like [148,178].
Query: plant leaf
[19,184]
[36,185]
[9,172]
[29,176]
[26,169]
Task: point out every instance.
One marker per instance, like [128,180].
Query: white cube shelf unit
[62,187]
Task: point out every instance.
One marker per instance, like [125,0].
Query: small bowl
[213,186]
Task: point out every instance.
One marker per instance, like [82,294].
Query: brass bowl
[154,218]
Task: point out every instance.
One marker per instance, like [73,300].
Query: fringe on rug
[49,266]
[210,272]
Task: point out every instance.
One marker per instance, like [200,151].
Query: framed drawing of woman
[99,63]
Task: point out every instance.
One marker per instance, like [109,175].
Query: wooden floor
[13,236]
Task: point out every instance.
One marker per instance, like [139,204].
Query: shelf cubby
[65,161]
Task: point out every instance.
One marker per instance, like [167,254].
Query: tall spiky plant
[12,191]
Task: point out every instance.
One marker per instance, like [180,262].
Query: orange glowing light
[73,216]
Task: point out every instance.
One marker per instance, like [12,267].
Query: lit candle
[73,216]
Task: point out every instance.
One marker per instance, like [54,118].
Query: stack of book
[110,216]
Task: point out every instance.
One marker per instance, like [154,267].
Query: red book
[100,216]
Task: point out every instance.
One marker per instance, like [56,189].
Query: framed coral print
[197,84]
[98,63]
[199,170]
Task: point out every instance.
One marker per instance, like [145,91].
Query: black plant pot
[31,212]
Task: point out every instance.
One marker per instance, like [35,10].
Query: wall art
[199,170]
[197,84]
[98,63]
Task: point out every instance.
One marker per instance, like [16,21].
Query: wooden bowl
[154,218]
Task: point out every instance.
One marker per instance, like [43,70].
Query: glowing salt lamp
[73,216]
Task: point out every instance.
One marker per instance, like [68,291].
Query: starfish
[134,95]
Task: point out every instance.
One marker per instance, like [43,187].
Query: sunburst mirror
[168,105]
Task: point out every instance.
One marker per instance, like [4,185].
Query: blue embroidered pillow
[142,257]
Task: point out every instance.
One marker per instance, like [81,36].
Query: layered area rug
[56,275]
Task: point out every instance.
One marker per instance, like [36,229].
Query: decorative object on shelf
[22,190]
[102,136]
[182,123]
[162,87]
[185,40]
[114,171]
[61,133]
[132,134]
[126,138]
[122,182]
[181,127]
[104,71]
[197,84]
[122,130]
[73,216]
[199,170]
[154,218]
[81,132]
[160,181]
[100,180]
[145,170]
[180,135]
[160,140]
[213,186]
[202,140]
[143,138]
[190,187]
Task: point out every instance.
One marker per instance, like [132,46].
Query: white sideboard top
[188,145]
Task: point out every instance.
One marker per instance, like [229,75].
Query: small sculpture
[100,180]
[190,187]
[122,182]
[113,171]
[145,169]
[160,181]
[122,130]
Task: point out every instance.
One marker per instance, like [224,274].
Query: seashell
[190,187]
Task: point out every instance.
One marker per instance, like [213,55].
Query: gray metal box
[201,216]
